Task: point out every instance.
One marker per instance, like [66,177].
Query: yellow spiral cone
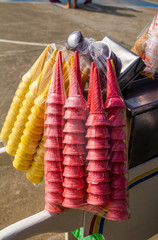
[36,172]
[35,89]
[27,79]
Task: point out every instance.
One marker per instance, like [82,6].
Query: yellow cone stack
[23,88]
[35,128]
[35,89]
[36,172]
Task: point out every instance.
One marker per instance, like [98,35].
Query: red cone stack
[98,168]
[118,206]
[53,155]
[74,140]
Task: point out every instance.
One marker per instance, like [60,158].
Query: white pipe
[22,43]
[2,150]
[43,222]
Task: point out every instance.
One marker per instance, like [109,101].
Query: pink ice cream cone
[77,183]
[98,199]
[72,138]
[75,113]
[119,181]
[90,86]
[99,189]
[53,131]
[53,145]
[51,197]
[53,155]
[73,203]
[113,99]
[118,145]
[117,204]
[119,168]
[54,187]
[53,176]
[75,98]
[97,120]
[97,143]
[74,172]
[72,160]
[73,193]
[98,154]
[117,215]
[117,133]
[120,193]
[98,166]
[53,120]
[56,94]
[118,157]
[96,99]
[54,166]
[53,142]
[75,102]
[97,177]
[74,126]
[97,131]
[115,117]
[74,149]
[76,84]
[56,109]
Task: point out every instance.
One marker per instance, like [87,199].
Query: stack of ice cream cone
[32,134]
[118,206]
[53,145]
[98,168]
[19,97]
[36,171]
[74,140]
[35,90]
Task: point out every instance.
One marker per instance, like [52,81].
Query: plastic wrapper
[146,46]
[97,170]
[118,205]
[35,89]
[70,139]
[93,51]
[54,143]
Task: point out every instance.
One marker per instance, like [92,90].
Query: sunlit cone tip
[90,84]
[75,83]
[57,83]
[96,100]
[112,90]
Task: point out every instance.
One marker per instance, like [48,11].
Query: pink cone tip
[112,90]
[57,83]
[90,84]
[96,101]
[75,84]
